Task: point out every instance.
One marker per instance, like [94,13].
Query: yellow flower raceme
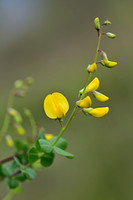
[93,85]
[108,63]
[85,103]
[56,105]
[100,97]
[97,112]
[48,136]
[92,68]
[9,141]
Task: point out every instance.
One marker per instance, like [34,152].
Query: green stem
[82,96]
[65,127]
[9,196]
[7,116]
[98,44]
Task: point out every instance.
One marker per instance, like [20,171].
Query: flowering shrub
[39,150]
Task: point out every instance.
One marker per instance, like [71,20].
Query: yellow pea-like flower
[85,103]
[48,136]
[94,85]
[100,97]
[92,68]
[97,112]
[56,105]
[108,63]
[9,141]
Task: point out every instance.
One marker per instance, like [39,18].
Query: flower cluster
[56,105]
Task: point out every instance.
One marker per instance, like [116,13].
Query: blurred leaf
[63,153]
[33,155]
[29,173]
[62,143]
[45,146]
[12,183]
[47,159]
[17,162]
[20,146]
[7,169]
[20,177]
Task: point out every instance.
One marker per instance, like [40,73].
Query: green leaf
[41,136]
[29,173]
[20,146]
[1,172]
[21,177]
[33,155]
[47,159]
[45,146]
[12,183]
[63,153]
[17,162]
[7,169]
[62,143]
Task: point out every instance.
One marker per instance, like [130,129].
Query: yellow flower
[97,112]
[48,136]
[108,63]
[85,103]
[9,141]
[100,97]
[92,68]
[93,85]
[56,105]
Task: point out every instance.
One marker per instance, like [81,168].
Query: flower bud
[97,112]
[107,22]
[9,141]
[92,68]
[108,63]
[48,136]
[103,54]
[100,97]
[29,80]
[81,91]
[20,130]
[85,103]
[110,35]
[12,111]
[97,23]
[16,115]
[93,85]
[18,84]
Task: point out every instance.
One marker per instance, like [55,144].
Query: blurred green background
[54,41]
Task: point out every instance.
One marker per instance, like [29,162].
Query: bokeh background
[53,41]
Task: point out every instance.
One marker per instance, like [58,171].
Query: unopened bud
[29,80]
[9,141]
[107,22]
[97,23]
[20,130]
[85,103]
[18,84]
[93,85]
[97,112]
[110,35]
[108,63]
[103,54]
[16,115]
[92,68]
[100,97]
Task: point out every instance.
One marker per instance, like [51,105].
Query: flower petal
[49,107]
